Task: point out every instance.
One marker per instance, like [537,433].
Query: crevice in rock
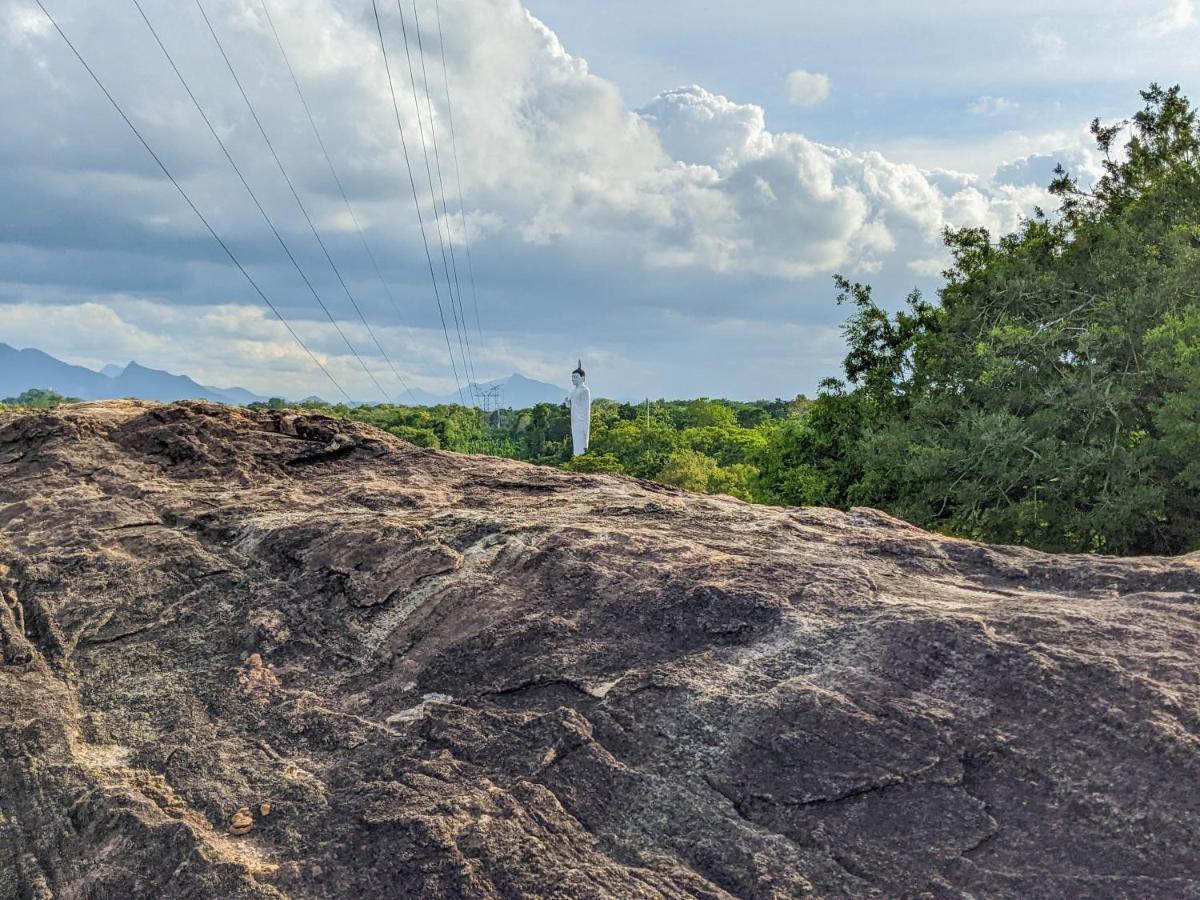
[981,843]
[101,640]
[333,454]
[212,574]
[894,781]
[525,487]
[537,681]
[851,869]
[972,765]
[42,630]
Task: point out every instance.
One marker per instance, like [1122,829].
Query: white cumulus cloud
[780,203]
[807,88]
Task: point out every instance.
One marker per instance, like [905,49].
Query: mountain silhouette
[21,370]
[516,392]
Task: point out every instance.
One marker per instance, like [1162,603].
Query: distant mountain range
[30,368]
[21,370]
[514,392]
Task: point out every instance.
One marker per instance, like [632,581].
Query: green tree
[39,398]
[701,413]
[594,462]
[727,444]
[642,450]
[1049,398]
[424,437]
[688,469]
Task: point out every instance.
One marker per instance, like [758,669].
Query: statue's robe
[580,400]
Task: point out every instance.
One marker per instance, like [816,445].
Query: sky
[663,191]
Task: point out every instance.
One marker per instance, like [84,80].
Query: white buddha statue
[580,403]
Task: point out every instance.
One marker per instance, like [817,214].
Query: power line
[254,197]
[442,184]
[300,203]
[333,171]
[437,7]
[189,202]
[416,200]
[412,75]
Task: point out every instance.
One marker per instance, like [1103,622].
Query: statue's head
[578,375]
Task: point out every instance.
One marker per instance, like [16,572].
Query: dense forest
[1050,396]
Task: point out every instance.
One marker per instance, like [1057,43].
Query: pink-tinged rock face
[259,655]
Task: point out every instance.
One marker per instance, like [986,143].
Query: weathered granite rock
[452,676]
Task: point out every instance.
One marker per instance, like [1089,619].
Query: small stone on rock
[241,822]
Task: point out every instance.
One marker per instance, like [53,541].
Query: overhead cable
[441,184]
[412,75]
[416,199]
[333,171]
[275,231]
[462,211]
[296,196]
[178,187]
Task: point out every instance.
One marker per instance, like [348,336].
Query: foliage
[39,398]
[1052,397]
[715,446]
[594,462]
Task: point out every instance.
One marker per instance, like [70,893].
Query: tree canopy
[38,398]
[1052,396]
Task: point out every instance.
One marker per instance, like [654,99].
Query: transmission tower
[489,399]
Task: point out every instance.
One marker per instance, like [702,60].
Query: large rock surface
[395,672]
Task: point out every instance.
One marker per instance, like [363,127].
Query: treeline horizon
[1049,397]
